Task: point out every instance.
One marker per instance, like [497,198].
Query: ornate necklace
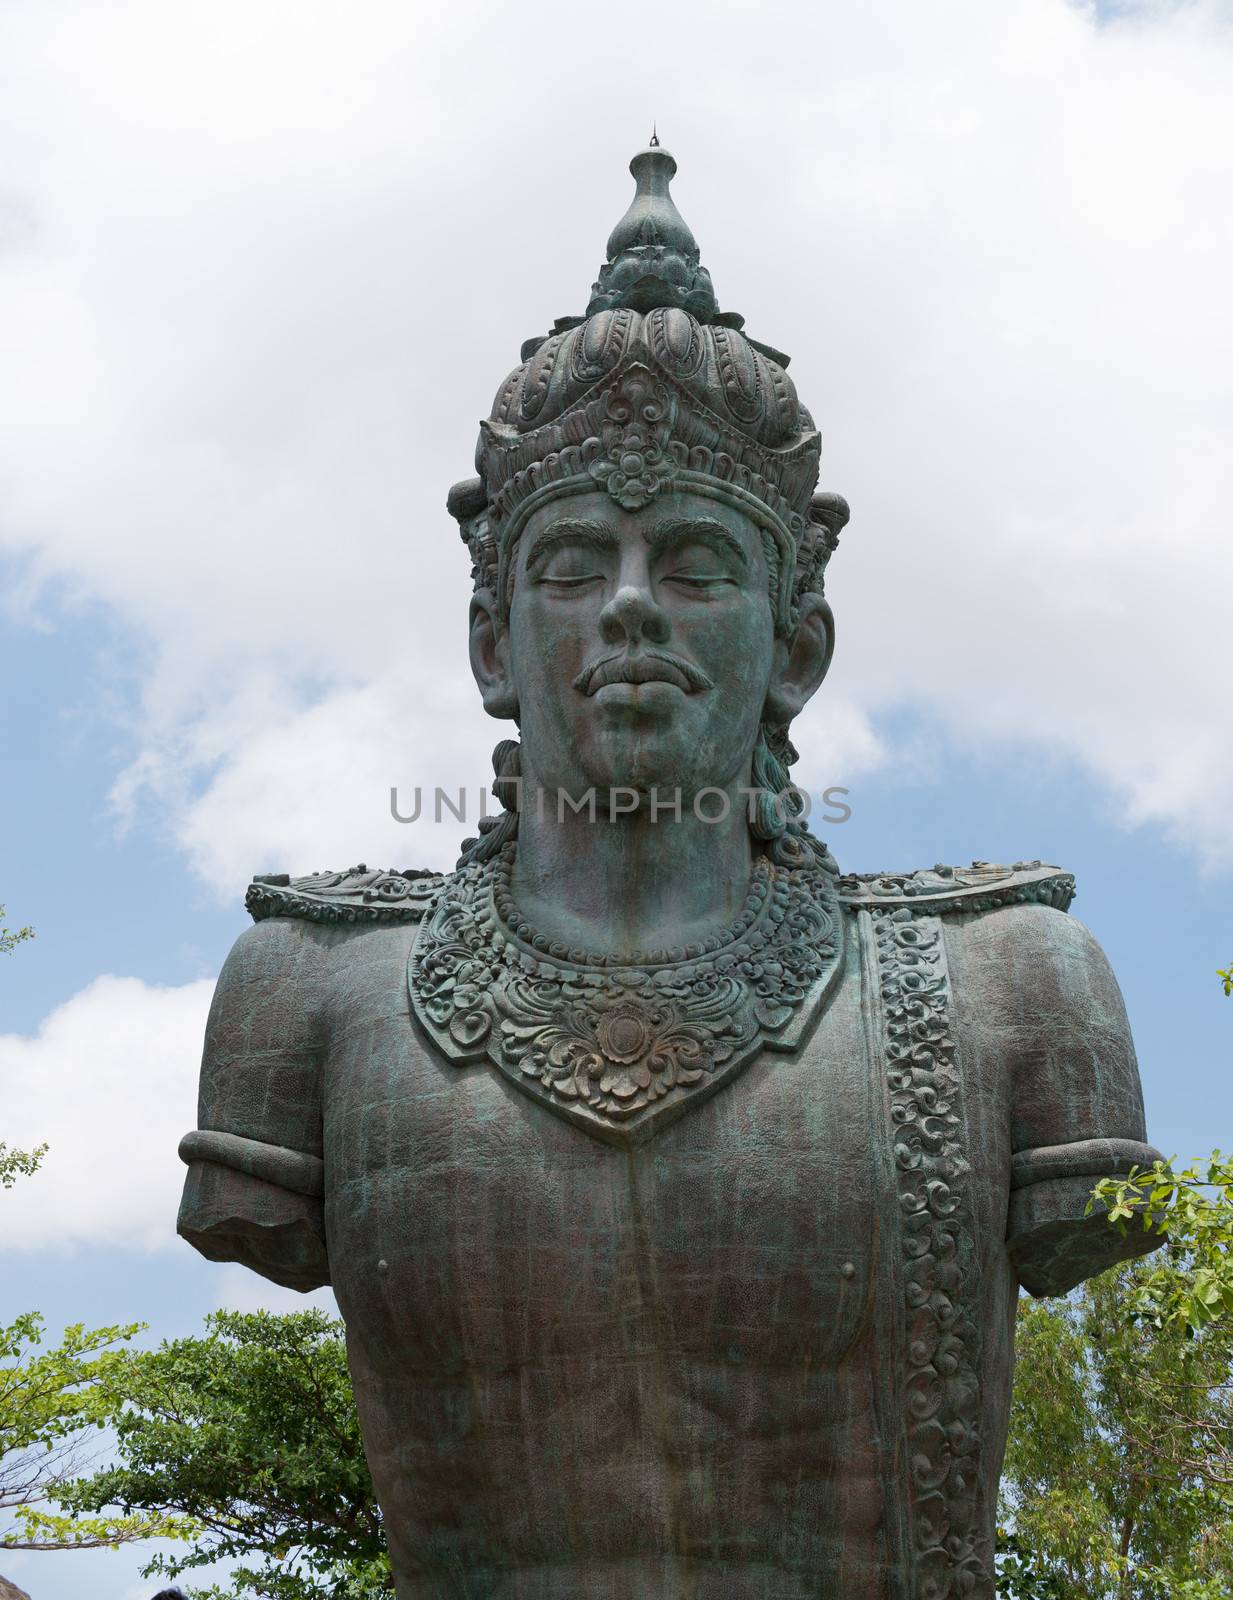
[623,1046]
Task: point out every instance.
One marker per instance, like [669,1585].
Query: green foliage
[16,1164]
[1119,1469]
[1226,976]
[1191,1284]
[250,1436]
[1020,1576]
[52,1402]
[1113,1477]
[11,937]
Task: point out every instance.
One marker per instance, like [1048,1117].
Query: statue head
[648,547]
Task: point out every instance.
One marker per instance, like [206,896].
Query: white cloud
[266,264]
[313,791]
[110,1083]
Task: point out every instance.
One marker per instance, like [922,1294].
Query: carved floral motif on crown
[635,442]
[621,1049]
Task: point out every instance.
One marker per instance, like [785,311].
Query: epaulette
[356,895]
[937,891]
[393,895]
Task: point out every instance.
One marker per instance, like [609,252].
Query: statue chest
[719,1344]
[580,1362]
[478,1229]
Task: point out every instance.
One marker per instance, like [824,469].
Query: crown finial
[653,257]
[654,136]
[652,218]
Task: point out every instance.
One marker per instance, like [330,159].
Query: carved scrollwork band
[941,890]
[941,1395]
[356,895]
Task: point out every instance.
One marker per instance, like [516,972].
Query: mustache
[647,666]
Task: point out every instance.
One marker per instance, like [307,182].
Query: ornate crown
[654,388]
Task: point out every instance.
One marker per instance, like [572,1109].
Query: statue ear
[490,658]
[801,661]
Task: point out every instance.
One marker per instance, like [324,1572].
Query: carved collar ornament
[621,1049]
[654,390]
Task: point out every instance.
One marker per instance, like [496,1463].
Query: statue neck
[626,883]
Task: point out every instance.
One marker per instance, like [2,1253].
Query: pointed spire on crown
[652,217]
[653,258]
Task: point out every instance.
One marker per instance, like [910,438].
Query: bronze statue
[675,1188]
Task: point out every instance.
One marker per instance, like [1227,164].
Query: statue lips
[642,667]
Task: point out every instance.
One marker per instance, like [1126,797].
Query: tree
[1119,1471]
[1119,1467]
[52,1402]
[248,1438]
[1114,1479]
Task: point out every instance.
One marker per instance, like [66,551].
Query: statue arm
[255,1186]
[1078,1108]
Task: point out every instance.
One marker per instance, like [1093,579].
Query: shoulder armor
[937,891]
[361,895]
[355,896]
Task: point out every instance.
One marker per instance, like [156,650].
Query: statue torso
[673,1369]
[758,1352]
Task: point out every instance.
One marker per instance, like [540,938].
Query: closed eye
[577,580]
[698,560]
[698,580]
[569,566]
[706,573]
[571,554]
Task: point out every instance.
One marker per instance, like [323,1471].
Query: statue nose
[633,614]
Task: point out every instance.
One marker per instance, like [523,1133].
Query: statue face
[640,648]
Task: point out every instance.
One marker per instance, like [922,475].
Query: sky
[262,268]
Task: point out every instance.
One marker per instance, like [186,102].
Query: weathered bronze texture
[675,1188]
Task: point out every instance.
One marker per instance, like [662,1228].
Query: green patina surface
[676,1188]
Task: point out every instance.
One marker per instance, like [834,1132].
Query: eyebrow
[705,529]
[570,530]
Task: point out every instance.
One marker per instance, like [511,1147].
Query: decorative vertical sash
[938,1380]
